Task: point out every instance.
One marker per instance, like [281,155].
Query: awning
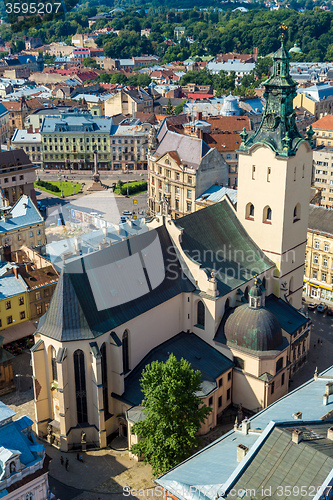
[18,332]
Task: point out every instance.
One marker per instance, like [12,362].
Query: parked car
[123,219]
[330,311]
[321,307]
[127,212]
[312,306]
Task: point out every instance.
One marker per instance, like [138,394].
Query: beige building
[129,145]
[128,102]
[318,277]
[31,143]
[323,131]
[17,175]
[180,170]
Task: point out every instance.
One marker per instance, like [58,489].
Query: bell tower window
[249,211]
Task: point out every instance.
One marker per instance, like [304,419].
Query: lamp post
[127,178]
[60,180]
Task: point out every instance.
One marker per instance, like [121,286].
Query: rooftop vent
[298,415]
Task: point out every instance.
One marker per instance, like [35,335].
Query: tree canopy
[173,413]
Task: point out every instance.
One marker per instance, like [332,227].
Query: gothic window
[264,282]
[125,352]
[226,306]
[267,214]
[249,213]
[279,364]
[80,387]
[278,69]
[297,212]
[246,293]
[54,364]
[105,380]
[201,314]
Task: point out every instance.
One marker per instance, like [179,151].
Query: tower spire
[278,127]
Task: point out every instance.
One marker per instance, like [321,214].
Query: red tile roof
[326,123]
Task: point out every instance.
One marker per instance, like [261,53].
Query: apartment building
[31,143]
[129,101]
[4,124]
[17,175]
[21,225]
[322,178]
[70,141]
[129,145]
[180,170]
[317,99]
[318,277]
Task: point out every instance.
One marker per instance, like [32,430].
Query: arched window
[12,467]
[201,314]
[105,380]
[29,496]
[263,282]
[125,352]
[246,293]
[279,364]
[226,305]
[80,387]
[249,211]
[54,364]
[267,214]
[297,213]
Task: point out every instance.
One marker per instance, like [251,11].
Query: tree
[173,413]
[179,108]
[89,62]
[169,108]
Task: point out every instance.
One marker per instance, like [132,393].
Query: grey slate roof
[280,463]
[190,149]
[215,238]
[198,353]
[320,219]
[204,474]
[103,290]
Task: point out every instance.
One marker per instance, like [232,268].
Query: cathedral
[220,287]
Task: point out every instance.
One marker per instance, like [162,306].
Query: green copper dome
[295,49]
[278,126]
[253,328]
[255,291]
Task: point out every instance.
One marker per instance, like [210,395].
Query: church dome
[230,106]
[295,49]
[253,328]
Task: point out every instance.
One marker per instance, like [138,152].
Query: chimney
[15,271]
[246,425]
[325,399]
[329,388]
[199,115]
[298,415]
[330,433]
[241,452]
[296,436]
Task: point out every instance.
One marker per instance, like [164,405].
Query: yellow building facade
[318,276]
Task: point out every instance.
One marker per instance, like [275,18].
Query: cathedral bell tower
[274,179]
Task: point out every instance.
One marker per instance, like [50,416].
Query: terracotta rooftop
[223,142]
[230,123]
[326,123]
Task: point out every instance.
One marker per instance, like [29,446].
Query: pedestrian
[314,345]
[67,464]
[318,342]
[62,460]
